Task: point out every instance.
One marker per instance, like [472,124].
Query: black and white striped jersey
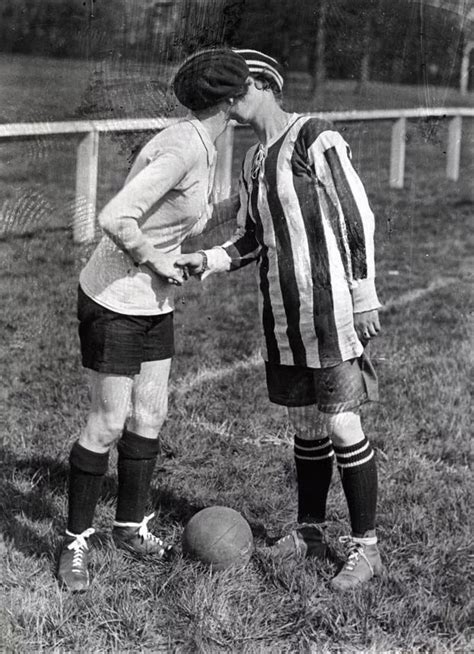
[304,216]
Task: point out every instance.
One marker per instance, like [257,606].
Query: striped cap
[258,62]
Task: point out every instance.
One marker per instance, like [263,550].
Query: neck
[269,123]
[214,124]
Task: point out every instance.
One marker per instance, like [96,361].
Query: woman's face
[246,107]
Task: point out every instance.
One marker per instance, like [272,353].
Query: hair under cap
[262,64]
[209,76]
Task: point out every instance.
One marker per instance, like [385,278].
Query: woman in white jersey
[125,309]
[305,219]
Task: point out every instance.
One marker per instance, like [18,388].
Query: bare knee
[344,429]
[147,423]
[307,423]
[102,431]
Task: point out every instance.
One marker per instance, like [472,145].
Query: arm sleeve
[242,248]
[331,158]
[123,216]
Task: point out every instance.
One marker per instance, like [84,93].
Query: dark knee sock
[86,474]
[136,462]
[313,459]
[358,472]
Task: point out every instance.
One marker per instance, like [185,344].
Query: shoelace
[79,545]
[292,537]
[356,551]
[145,534]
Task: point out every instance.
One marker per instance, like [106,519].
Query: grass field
[223,442]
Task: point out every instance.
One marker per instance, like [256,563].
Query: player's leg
[110,399]
[357,468]
[138,447]
[313,454]
[112,351]
[137,454]
[342,390]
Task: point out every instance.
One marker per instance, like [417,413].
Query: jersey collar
[205,138]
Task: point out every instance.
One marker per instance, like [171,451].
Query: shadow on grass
[30,488]
[179,509]
[30,491]
[27,493]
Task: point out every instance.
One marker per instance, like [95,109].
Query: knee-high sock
[358,472]
[86,474]
[313,460]
[136,462]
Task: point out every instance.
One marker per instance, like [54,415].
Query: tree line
[404,41]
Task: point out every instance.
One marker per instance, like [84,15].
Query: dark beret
[209,76]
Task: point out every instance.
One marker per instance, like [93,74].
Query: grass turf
[225,444]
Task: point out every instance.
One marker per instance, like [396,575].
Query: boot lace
[79,546]
[292,536]
[147,535]
[140,529]
[356,552]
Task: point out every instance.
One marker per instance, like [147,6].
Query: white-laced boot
[73,569]
[307,540]
[135,538]
[363,562]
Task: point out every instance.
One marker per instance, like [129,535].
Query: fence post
[86,188]
[223,178]
[454,148]
[397,153]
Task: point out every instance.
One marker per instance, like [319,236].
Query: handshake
[174,269]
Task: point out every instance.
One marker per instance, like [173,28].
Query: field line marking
[191,380]
[417,293]
[255,437]
[208,375]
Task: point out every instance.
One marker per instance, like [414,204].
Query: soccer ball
[219,537]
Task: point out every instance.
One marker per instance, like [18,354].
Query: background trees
[406,41]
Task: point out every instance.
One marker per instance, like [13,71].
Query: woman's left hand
[367,325]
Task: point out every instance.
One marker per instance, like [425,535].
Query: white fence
[88,149]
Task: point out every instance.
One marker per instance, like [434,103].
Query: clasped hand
[174,269]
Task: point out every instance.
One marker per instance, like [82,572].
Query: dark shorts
[340,388]
[116,343]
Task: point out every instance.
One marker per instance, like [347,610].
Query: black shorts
[343,387]
[117,343]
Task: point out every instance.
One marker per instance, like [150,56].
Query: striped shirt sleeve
[243,247]
[331,157]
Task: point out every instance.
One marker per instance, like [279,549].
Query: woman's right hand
[192,262]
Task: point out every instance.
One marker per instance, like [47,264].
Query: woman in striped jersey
[304,217]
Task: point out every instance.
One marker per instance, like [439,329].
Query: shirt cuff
[364,296]
[217,261]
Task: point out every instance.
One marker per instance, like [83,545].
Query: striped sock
[313,459]
[358,472]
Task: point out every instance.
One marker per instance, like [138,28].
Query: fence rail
[88,149]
